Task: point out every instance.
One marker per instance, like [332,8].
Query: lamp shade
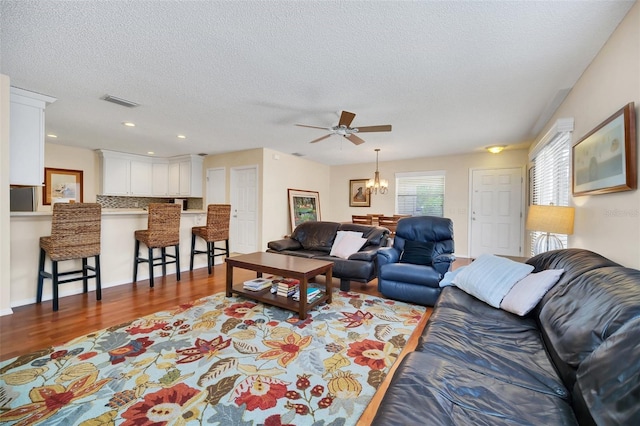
[552,219]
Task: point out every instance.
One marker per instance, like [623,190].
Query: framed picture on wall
[62,186]
[358,195]
[303,206]
[605,159]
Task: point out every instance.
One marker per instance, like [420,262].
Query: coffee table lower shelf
[269,298]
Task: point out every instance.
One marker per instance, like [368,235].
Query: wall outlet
[136,204]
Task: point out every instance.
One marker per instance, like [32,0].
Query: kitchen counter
[116,254]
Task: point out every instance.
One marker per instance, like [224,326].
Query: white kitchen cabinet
[185,176]
[126,174]
[26,137]
[160,179]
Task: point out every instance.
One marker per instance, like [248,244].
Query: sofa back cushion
[608,380]
[316,235]
[586,312]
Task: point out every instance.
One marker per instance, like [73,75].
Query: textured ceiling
[451,77]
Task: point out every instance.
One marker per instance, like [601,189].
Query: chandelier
[376,184]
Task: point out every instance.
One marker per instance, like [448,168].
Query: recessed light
[150,152]
[51,135]
[182,137]
[129,124]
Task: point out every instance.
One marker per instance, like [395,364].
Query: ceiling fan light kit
[344,129]
[376,184]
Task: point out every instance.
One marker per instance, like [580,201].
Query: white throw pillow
[341,234]
[527,292]
[489,278]
[347,245]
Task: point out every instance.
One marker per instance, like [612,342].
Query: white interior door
[216,186]
[244,209]
[496,212]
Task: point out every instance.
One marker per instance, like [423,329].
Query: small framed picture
[358,194]
[303,206]
[62,186]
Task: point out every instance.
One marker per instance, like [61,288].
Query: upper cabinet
[126,174]
[138,175]
[26,137]
[185,176]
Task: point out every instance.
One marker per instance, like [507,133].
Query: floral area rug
[218,360]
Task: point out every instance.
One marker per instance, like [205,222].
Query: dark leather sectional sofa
[314,239]
[575,359]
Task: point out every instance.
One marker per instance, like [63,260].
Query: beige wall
[276,173]
[73,158]
[457,170]
[5,247]
[608,224]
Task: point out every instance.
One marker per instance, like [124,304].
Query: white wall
[456,204]
[5,247]
[610,223]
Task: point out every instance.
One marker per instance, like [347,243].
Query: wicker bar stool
[163,231]
[217,229]
[75,234]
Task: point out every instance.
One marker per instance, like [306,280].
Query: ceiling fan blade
[346,118]
[319,139]
[383,128]
[314,127]
[353,138]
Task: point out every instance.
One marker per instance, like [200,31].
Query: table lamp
[550,220]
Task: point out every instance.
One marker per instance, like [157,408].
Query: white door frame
[523,197]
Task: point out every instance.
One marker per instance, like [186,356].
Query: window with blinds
[550,179]
[420,193]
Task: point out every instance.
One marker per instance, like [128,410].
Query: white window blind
[550,179]
[420,193]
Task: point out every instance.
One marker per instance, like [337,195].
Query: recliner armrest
[284,244]
[388,255]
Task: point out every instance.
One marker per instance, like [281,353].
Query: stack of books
[287,287]
[312,294]
[257,284]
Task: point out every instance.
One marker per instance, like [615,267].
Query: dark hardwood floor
[36,326]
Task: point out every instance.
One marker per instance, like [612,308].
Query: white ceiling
[450,76]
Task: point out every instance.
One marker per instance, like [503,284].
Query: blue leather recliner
[406,271]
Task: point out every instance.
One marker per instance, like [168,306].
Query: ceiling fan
[343,128]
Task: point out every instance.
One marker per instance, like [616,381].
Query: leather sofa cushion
[491,342]
[316,235]
[589,310]
[430,390]
[609,379]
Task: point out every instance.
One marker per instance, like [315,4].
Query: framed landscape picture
[605,159]
[303,206]
[358,195]
[62,186]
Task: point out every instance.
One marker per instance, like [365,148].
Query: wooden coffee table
[300,268]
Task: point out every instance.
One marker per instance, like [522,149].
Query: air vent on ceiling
[297,154]
[120,101]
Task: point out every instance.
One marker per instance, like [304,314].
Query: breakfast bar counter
[116,255]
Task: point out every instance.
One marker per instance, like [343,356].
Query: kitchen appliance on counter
[181,201]
[22,199]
